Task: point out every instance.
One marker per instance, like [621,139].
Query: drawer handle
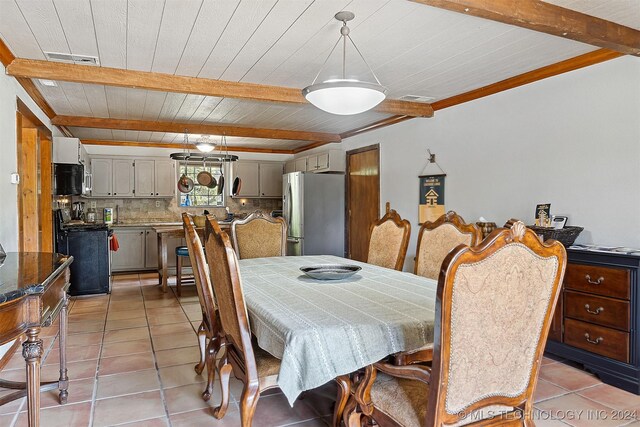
[594,342]
[594,282]
[596,311]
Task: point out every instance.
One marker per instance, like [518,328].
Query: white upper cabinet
[259,179]
[145,178]
[271,179]
[249,174]
[101,176]
[327,161]
[165,178]
[67,150]
[290,166]
[301,164]
[123,177]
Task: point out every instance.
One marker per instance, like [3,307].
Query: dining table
[322,329]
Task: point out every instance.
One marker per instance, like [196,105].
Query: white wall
[572,140]
[9,90]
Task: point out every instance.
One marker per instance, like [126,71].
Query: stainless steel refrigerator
[313,207]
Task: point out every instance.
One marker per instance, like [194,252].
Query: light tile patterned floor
[131,358]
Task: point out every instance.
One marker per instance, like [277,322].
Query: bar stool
[182,253]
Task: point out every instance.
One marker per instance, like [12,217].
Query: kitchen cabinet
[271,179]
[131,254]
[139,249]
[69,151]
[144,178]
[123,177]
[165,178]
[101,176]
[301,164]
[290,166]
[249,174]
[140,177]
[259,179]
[328,161]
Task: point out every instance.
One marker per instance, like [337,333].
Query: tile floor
[131,358]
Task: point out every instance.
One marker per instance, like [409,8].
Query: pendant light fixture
[345,96]
[204,144]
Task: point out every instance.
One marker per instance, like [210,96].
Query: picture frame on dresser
[597,319]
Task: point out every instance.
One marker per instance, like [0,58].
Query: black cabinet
[597,322]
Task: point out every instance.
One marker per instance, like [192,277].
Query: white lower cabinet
[139,250]
[131,253]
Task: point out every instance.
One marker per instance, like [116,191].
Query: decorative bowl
[330,271]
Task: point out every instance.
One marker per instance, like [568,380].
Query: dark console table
[33,293]
[597,322]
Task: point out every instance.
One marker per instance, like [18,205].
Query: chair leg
[212,351]
[179,275]
[202,343]
[225,373]
[248,402]
[344,391]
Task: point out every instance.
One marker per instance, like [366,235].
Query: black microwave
[67,179]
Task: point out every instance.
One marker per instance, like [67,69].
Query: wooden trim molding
[548,18]
[182,146]
[204,128]
[570,64]
[32,68]
[6,56]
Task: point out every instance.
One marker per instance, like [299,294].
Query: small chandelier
[345,96]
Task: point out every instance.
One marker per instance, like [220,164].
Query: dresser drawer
[602,311]
[607,281]
[597,339]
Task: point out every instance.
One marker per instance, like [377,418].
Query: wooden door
[123,178]
[145,178]
[363,198]
[165,171]
[101,177]
[271,179]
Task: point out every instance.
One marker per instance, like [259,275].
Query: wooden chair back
[436,239]
[259,235]
[389,241]
[225,276]
[200,271]
[495,303]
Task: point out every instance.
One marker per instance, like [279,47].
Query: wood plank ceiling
[414,49]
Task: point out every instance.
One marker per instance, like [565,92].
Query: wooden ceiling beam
[6,58]
[32,68]
[207,129]
[550,19]
[182,146]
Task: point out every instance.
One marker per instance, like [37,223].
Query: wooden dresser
[597,322]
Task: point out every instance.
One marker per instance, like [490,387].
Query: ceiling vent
[418,98]
[72,59]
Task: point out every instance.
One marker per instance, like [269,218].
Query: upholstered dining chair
[494,305]
[209,333]
[436,239]
[259,235]
[389,240]
[256,368]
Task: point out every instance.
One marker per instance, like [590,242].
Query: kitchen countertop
[154,224]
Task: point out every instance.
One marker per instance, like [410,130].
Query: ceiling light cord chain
[364,60]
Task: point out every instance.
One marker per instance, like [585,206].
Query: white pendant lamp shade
[345,97]
[205,147]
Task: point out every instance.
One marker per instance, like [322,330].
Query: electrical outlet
[93,204]
[157,203]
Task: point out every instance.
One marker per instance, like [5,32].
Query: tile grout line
[97,372]
[155,360]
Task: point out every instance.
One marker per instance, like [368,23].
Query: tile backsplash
[145,210]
